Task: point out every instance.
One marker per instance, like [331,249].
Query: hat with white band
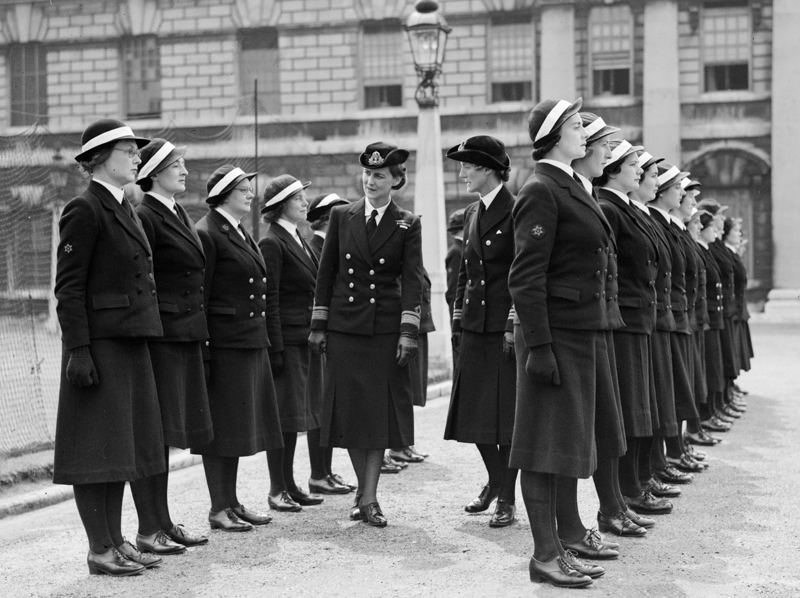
[596,128]
[688,183]
[223,179]
[322,204]
[646,160]
[622,149]
[281,188]
[103,132]
[547,117]
[156,156]
[669,175]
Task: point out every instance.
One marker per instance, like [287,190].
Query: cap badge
[375,159]
[463,146]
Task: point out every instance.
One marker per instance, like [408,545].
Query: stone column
[662,105]
[558,52]
[784,300]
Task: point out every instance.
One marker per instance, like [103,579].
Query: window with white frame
[382,64]
[611,50]
[511,56]
[28,68]
[141,62]
[726,37]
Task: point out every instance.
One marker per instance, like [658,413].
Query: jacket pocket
[221,310]
[110,301]
[630,302]
[564,293]
[170,308]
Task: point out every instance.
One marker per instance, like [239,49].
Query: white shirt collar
[368,207]
[677,221]
[565,167]
[170,203]
[321,233]
[232,220]
[487,199]
[641,206]
[702,243]
[621,195]
[663,213]
[119,194]
[587,184]
[732,248]
[291,228]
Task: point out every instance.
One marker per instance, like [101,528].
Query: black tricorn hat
[104,131]
[382,155]
[481,150]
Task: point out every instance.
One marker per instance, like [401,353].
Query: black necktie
[372,224]
[302,243]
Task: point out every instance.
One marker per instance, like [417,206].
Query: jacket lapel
[386,227]
[576,190]
[294,247]
[498,210]
[358,228]
[630,211]
[172,221]
[473,236]
[247,244]
[127,218]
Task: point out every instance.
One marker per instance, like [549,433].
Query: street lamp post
[427,32]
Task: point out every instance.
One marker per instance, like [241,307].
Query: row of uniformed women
[138,295]
[612,337]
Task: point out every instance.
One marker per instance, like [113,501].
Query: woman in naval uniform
[366,317]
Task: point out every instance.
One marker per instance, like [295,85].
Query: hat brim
[673,181]
[604,132]
[318,213]
[231,185]
[393,158]
[650,162]
[573,108]
[84,156]
[632,150]
[477,157]
[271,207]
[176,154]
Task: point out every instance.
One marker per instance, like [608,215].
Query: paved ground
[731,535]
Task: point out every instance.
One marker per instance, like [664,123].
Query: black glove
[406,349]
[455,340]
[80,368]
[276,362]
[318,341]
[508,346]
[207,371]
[542,366]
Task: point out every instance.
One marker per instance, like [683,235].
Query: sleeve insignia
[537,231]
[67,248]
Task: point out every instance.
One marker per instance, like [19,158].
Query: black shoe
[179,534]
[283,502]
[327,485]
[130,552]
[485,498]
[715,425]
[587,569]
[389,466]
[158,543]
[371,514]
[112,562]
[405,456]
[338,479]
[647,503]
[702,438]
[620,525]
[227,521]
[639,519]
[355,511]
[504,514]
[558,572]
[685,463]
[250,516]
[658,488]
[670,475]
[305,500]
[589,548]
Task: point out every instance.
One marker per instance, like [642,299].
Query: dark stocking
[367,465]
[114,493]
[675,444]
[617,490]
[289,446]
[91,502]
[570,526]
[317,455]
[645,470]
[493,463]
[275,459]
[603,478]
[215,479]
[629,468]
[144,494]
[539,496]
[328,452]
[231,476]
[658,460]
[509,484]
[693,425]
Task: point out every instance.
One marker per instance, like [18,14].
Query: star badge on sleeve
[67,248]
[537,231]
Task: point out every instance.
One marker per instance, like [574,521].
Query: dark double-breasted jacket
[701,301]
[179,264]
[294,273]
[613,312]
[713,289]
[677,293]
[426,317]
[367,285]
[637,262]
[241,306]
[452,265]
[483,301]
[562,241]
[692,271]
[739,285]
[105,285]
[724,258]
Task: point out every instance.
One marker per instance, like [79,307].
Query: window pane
[28,68]
[611,47]
[511,56]
[259,59]
[519,91]
[141,66]
[730,41]
[383,96]
[382,53]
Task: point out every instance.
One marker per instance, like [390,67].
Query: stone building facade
[691,79]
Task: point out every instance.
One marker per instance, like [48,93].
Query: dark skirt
[554,425]
[483,398]
[367,400]
[110,432]
[635,373]
[609,429]
[745,345]
[715,378]
[699,371]
[182,395]
[729,358]
[683,375]
[244,409]
[419,373]
[665,389]
[299,389]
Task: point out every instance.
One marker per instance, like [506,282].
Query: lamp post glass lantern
[427,33]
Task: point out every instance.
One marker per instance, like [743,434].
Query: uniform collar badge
[225,227]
